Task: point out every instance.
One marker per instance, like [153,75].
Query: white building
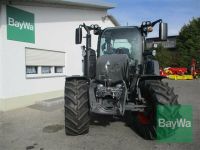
[37,46]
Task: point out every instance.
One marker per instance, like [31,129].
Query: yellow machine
[180,77]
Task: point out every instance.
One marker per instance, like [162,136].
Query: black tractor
[120,79]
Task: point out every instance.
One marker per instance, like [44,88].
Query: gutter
[79,3]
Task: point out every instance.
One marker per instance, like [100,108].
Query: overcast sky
[175,12]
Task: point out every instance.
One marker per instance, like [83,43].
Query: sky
[175,12]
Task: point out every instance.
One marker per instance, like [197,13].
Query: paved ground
[43,129]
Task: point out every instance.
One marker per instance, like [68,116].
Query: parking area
[43,128]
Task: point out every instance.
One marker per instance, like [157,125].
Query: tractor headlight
[154,53]
[118,85]
[99,85]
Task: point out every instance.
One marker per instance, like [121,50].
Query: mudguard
[76,77]
[151,77]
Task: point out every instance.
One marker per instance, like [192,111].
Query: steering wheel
[119,50]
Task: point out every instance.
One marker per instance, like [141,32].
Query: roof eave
[78,3]
[114,20]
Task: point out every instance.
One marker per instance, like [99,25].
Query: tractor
[120,79]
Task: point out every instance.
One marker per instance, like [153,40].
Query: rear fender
[140,80]
[76,77]
[151,77]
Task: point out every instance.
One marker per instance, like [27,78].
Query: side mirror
[149,53]
[163,31]
[78,35]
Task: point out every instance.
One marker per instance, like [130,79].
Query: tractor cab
[121,40]
[122,47]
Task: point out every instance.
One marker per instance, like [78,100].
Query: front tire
[76,107]
[155,93]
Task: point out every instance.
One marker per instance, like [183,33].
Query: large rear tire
[76,107]
[155,93]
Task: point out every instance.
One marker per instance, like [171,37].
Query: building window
[46,69]
[31,69]
[58,69]
[42,63]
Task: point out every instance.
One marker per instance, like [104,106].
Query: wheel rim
[143,118]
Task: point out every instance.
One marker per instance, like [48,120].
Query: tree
[188,43]
[164,56]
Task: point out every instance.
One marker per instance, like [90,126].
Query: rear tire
[76,107]
[155,93]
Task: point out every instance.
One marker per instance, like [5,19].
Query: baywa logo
[174,123]
[20,25]
[24,25]
[178,123]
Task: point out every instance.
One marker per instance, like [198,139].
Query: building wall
[170,43]
[54,30]
[0,52]
[1,36]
